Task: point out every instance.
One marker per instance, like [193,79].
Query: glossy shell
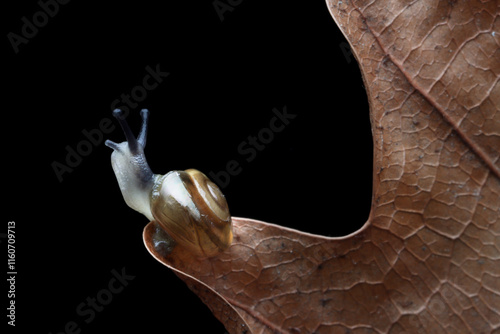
[193,211]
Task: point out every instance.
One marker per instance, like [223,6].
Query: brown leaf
[428,259]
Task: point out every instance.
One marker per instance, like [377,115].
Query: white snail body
[185,204]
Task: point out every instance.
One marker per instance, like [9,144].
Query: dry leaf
[428,259]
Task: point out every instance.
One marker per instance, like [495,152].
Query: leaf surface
[428,259]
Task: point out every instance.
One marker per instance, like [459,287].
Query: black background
[225,79]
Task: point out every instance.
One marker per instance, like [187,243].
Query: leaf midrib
[478,151]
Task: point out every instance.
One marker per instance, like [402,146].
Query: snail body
[187,205]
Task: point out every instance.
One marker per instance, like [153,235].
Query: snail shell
[193,211]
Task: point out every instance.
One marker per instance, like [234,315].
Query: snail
[187,205]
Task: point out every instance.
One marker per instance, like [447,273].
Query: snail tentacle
[141,139]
